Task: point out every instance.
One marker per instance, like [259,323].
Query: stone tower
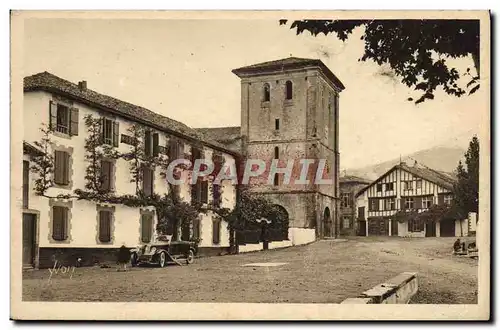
[290,112]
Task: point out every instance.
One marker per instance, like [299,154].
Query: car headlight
[152,250]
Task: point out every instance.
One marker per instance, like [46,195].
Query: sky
[182,69]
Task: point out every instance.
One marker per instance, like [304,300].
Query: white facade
[83,220]
[403,188]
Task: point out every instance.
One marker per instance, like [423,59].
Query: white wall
[83,221]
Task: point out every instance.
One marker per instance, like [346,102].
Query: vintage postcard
[275,165]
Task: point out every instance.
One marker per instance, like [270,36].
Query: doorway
[430,229]
[29,239]
[327,225]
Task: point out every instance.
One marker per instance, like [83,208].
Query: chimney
[82,85]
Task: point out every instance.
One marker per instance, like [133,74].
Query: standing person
[123,257]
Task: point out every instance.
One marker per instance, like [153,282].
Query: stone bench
[397,290]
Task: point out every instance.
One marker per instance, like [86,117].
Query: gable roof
[286,64]
[51,83]
[426,173]
[229,136]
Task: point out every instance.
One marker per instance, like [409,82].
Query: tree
[466,190]
[415,50]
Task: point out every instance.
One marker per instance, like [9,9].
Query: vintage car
[163,251]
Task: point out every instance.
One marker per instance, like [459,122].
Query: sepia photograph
[294,165]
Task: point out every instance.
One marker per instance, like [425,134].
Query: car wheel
[190,257]
[133,260]
[162,259]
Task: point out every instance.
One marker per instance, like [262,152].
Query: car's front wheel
[190,257]
[162,261]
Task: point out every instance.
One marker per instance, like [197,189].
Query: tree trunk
[475,58]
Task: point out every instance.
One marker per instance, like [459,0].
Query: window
[59,223]
[61,167]
[346,200]
[277,124]
[361,212]
[288,90]
[197,228]
[346,222]
[419,184]
[276,179]
[408,185]
[390,204]
[106,175]
[26,183]
[389,186]
[409,203]
[426,202]
[147,181]
[415,225]
[63,119]
[199,191]
[374,204]
[146,228]
[216,200]
[204,191]
[276,153]
[448,199]
[216,231]
[379,187]
[110,132]
[105,226]
[267,93]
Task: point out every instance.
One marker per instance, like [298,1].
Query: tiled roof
[443,180]
[288,63]
[353,178]
[228,136]
[51,83]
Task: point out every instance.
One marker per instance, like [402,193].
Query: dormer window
[288,90]
[267,93]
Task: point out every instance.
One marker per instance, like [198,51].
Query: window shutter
[65,167]
[58,177]
[105,175]
[26,183]
[146,228]
[204,191]
[104,226]
[73,117]
[147,181]
[102,130]
[116,133]
[52,115]
[216,231]
[56,222]
[156,142]
[147,143]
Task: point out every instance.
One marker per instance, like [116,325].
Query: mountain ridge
[440,158]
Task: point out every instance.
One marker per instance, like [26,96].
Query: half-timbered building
[404,187]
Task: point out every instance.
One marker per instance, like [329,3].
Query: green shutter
[73,118]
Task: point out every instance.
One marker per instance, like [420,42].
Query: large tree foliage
[415,50]
[466,190]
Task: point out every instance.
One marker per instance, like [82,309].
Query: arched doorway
[327,223]
[278,227]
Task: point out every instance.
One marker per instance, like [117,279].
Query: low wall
[397,290]
[301,236]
